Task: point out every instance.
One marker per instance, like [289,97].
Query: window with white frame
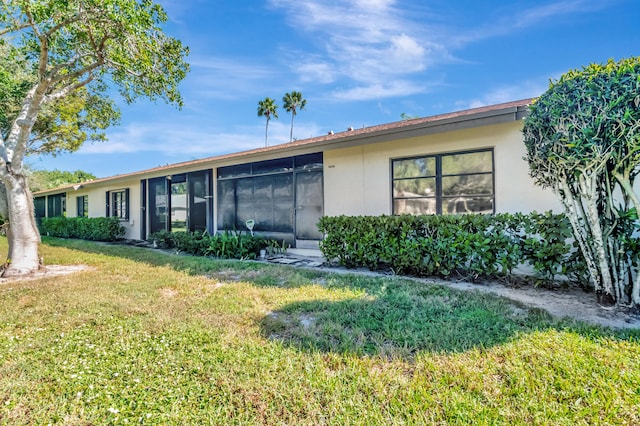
[449,183]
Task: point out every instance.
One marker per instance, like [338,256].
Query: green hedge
[227,245]
[86,228]
[470,246]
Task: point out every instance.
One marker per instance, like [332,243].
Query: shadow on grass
[399,322]
[392,317]
[228,269]
[383,327]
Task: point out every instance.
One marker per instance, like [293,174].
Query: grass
[148,338]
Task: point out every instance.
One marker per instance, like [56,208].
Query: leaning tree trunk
[577,217]
[22,232]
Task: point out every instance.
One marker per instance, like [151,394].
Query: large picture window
[452,183]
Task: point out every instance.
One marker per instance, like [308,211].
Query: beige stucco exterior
[357,180]
[97,203]
[357,165]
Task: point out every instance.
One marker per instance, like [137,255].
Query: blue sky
[357,62]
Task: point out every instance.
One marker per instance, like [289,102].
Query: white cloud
[169,138]
[375,4]
[371,43]
[195,141]
[533,16]
[378,91]
[316,72]
[407,53]
[524,18]
[378,51]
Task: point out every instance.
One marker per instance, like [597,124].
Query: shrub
[195,243]
[162,239]
[86,228]
[471,246]
[227,245]
[581,137]
[236,245]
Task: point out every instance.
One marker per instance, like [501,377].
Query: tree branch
[75,18]
[67,64]
[18,138]
[79,73]
[15,28]
[69,88]
[3,152]
[31,21]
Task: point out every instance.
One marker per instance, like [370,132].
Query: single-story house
[461,162]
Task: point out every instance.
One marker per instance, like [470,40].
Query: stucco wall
[357,180]
[97,207]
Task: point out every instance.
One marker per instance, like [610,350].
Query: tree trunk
[577,218]
[291,131]
[627,187]
[22,232]
[588,189]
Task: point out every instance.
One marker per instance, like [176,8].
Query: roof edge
[518,108]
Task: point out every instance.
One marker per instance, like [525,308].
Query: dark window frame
[82,206]
[40,206]
[438,176]
[228,216]
[57,205]
[118,204]
[313,161]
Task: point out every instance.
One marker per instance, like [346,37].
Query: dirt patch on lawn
[568,302]
[46,272]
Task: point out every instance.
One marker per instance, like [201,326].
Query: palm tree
[292,102]
[267,108]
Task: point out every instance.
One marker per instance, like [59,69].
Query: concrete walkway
[310,258]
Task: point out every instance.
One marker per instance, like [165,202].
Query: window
[178,203]
[455,183]
[118,204]
[82,206]
[56,205]
[158,203]
[266,199]
[40,205]
[263,191]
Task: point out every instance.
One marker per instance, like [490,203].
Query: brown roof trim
[514,111]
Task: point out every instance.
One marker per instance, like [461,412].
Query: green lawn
[146,338]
